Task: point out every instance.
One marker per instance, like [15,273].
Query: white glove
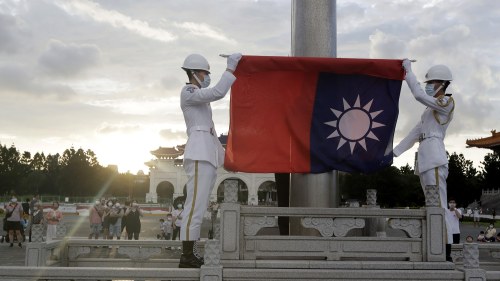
[232,61]
[407,65]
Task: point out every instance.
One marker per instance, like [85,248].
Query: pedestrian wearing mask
[95,220]
[115,221]
[177,221]
[14,215]
[53,218]
[133,215]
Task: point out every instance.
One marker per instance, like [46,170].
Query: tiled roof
[492,142]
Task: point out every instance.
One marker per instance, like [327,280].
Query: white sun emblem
[354,124]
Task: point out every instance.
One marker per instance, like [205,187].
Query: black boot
[188,259]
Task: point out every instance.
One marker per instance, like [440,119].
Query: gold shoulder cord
[441,102]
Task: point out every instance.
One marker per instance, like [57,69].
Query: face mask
[451,205]
[206,80]
[169,219]
[429,89]
[179,206]
[35,208]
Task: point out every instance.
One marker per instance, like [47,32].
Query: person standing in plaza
[177,222]
[14,215]
[475,214]
[133,215]
[204,152]
[36,217]
[95,220]
[168,227]
[115,221]
[53,218]
[35,200]
[453,216]
[430,131]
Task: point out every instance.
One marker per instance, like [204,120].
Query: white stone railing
[98,253]
[490,249]
[342,233]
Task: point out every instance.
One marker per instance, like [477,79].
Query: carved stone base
[432,196]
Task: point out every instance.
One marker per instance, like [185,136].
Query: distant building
[490,199]
[492,142]
[168,180]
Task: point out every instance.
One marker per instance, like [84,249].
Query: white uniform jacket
[203,143]
[431,129]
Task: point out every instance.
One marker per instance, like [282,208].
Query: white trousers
[201,180]
[437,177]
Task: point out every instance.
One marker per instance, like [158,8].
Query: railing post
[37,232]
[212,269]
[374,226]
[471,263]
[230,222]
[435,226]
[35,254]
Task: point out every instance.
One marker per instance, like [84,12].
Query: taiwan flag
[313,115]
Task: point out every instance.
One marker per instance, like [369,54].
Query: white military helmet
[438,72]
[196,61]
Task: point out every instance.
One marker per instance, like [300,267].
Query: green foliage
[400,187]
[76,173]
[462,182]
[395,187]
[490,174]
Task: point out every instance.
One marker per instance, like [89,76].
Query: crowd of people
[20,218]
[109,218]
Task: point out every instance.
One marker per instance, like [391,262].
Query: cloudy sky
[105,75]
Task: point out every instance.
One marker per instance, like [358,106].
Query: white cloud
[11,34]
[205,30]
[386,45]
[15,79]
[97,13]
[68,59]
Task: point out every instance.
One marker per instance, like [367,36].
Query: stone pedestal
[436,234]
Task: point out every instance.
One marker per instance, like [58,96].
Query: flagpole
[314,34]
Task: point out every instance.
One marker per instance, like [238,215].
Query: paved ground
[79,227]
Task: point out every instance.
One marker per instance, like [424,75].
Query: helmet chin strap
[196,77]
[438,89]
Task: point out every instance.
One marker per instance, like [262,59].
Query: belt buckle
[421,137]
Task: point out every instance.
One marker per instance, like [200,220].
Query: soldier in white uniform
[204,152]
[432,162]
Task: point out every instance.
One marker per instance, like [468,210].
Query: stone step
[340,274]
[352,265]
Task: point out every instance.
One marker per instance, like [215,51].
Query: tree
[13,168]
[394,188]
[490,174]
[461,182]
